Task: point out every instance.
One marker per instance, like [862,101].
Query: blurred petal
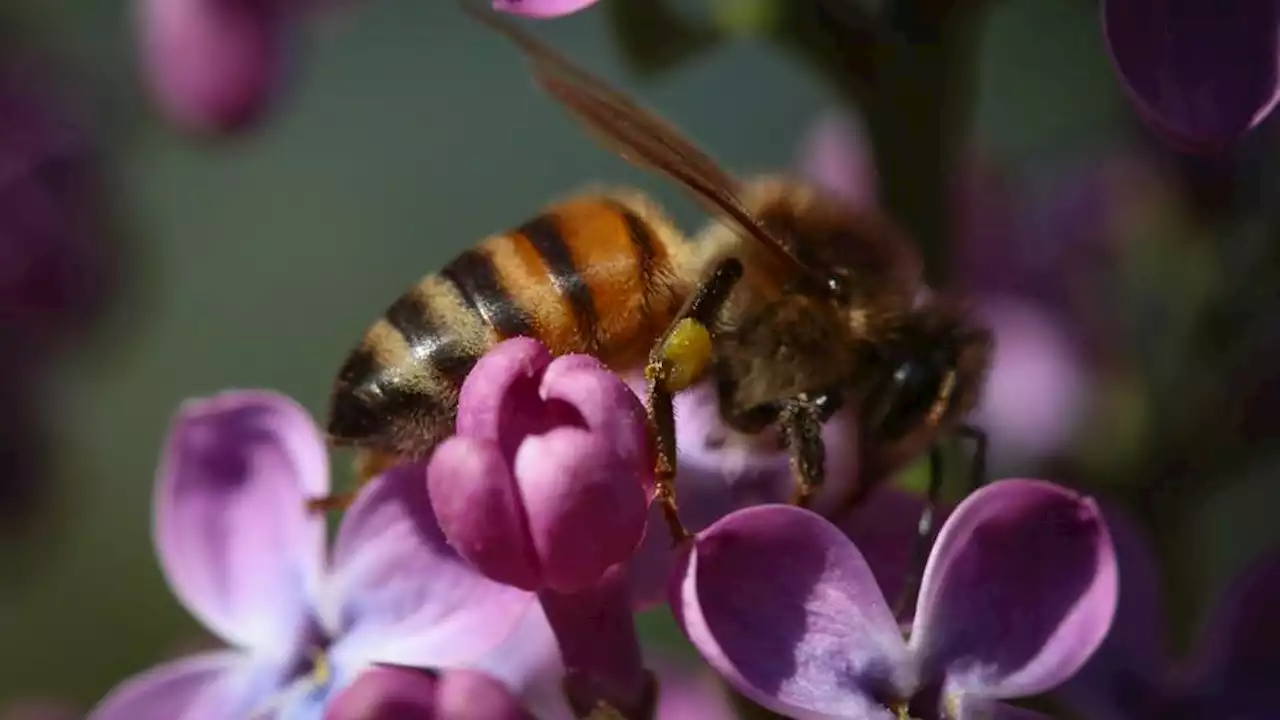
[1034,397]
[400,594]
[528,663]
[234,537]
[386,692]
[1201,73]
[586,511]
[1016,548]
[1124,677]
[481,512]
[467,694]
[1236,663]
[210,686]
[686,693]
[785,608]
[542,8]
[884,529]
[214,66]
[835,157]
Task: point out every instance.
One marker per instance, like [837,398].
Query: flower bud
[214,66]
[388,692]
[545,484]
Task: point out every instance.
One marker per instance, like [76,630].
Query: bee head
[931,372]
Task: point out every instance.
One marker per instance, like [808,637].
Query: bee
[790,303]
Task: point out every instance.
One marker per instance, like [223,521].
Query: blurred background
[141,264]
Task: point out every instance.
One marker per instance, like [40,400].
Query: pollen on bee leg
[687,351]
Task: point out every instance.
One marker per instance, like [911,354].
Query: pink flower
[241,551]
[542,8]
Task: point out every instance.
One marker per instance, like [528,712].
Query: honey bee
[790,303]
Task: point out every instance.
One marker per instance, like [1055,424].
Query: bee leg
[801,420]
[368,465]
[678,360]
[924,533]
[978,469]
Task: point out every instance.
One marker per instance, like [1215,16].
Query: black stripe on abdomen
[430,340]
[544,234]
[642,241]
[473,274]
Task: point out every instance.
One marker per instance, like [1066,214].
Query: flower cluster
[503,573]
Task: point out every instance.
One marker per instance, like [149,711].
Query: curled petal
[586,512]
[607,406]
[232,531]
[389,692]
[214,66]
[209,686]
[401,595]
[481,511]
[542,8]
[1022,549]
[501,400]
[1235,666]
[785,608]
[1201,73]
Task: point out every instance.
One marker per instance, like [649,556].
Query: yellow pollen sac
[687,350]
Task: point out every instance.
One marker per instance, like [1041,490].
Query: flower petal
[884,528]
[1234,669]
[1125,677]
[1024,549]
[208,686]
[400,594]
[1201,73]
[500,400]
[215,66]
[542,8]
[528,663]
[585,505]
[607,405]
[785,608]
[232,531]
[481,512]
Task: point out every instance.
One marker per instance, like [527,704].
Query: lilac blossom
[720,470]
[545,486]
[1202,74]
[1229,673]
[242,553]
[1018,592]
[391,692]
[215,67]
[55,259]
[542,8]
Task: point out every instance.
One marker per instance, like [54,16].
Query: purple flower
[1018,592]
[390,692]
[542,8]
[1200,73]
[545,487]
[544,484]
[1230,673]
[240,550]
[212,66]
[54,252]
[720,471]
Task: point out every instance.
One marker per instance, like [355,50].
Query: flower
[1228,674]
[719,471]
[1018,592]
[215,67]
[54,254]
[542,8]
[390,692]
[1201,74]
[544,484]
[240,550]
[545,487]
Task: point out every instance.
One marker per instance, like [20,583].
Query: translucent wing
[636,134]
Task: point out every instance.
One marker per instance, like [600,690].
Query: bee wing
[637,135]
